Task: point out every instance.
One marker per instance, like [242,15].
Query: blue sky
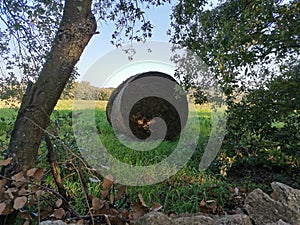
[110,69]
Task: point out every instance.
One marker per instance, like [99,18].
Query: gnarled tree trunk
[76,29]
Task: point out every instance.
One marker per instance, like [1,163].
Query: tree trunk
[76,29]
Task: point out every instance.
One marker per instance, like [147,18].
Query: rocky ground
[282,207]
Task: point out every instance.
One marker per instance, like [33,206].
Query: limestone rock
[50,222]
[279,222]
[262,209]
[54,222]
[240,219]
[286,195]
[155,218]
[195,219]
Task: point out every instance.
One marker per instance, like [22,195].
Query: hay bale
[137,103]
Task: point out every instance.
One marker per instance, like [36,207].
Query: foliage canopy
[252,48]
[239,35]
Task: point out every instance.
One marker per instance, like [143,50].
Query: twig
[39,210]
[107,219]
[85,190]
[51,161]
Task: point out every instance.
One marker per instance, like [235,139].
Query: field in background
[67,105]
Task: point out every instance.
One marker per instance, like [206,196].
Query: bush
[264,127]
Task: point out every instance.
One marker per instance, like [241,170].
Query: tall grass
[179,193]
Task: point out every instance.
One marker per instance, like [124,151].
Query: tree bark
[77,26]
[76,29]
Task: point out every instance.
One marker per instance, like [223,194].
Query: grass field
[180,193]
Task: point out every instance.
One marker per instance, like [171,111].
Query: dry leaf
[210,207]
[142,200]
[156,206]
[108,209]
[5,208]
[31,172]
[18,184]
[5,162]
[10,192]
[2,185]
[80,222]
[38,175]
[125,214]
[20,202]
[46,212]
[39,193]
[58,203]
[59,213]
[2,207]
[24,191]
[95,202]
[19,180]
[27,222]
[104,194]
[121,191]
[25,215]
[202,203]
[138,210]
[19,177]
[112,198]
[107,182]
[113,211]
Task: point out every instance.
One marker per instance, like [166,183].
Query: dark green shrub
[264,127]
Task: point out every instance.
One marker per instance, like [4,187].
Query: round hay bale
[138,106]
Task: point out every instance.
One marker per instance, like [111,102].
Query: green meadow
[182,192]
